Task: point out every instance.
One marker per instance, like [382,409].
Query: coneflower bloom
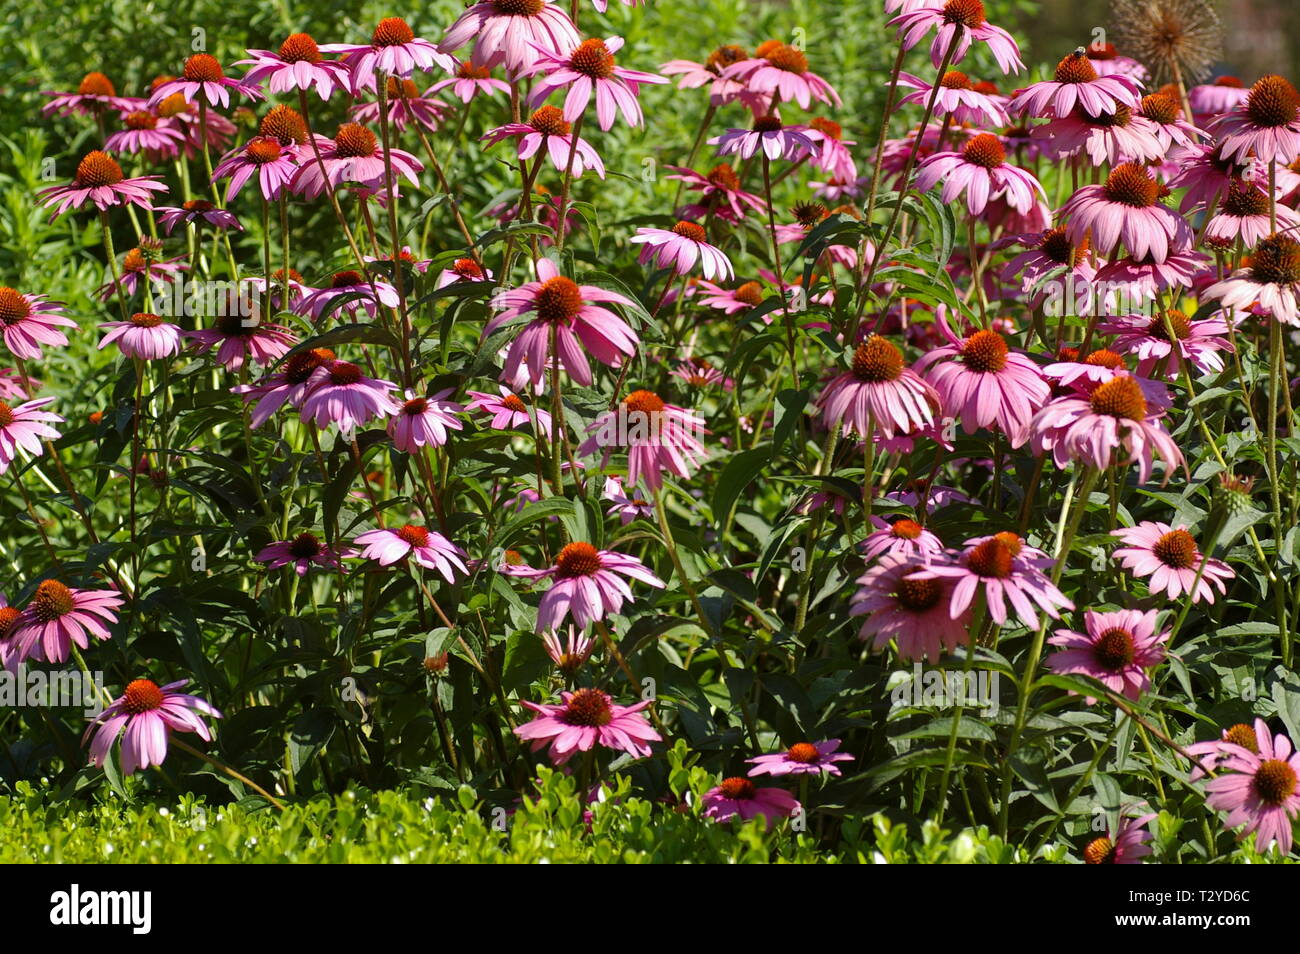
[699,373]
[1004,568]
[193,212]
[898,606]
[802,758]
[1169,556]
[721,89]
[1196,342]
[424,421]
[958,99]
[509,411]
[58,616]
[1108,61]
[569,656]
[22,428]
[1075,83]
[1211,753]
[144,716]
[139,264]
[589,68]
[584,719]
[353,155]
[1045,253]
[1165,115]
[29,321]
[1221,96]
[957,23]
[1117,650]
[341,394]
[1125,845]
[470,81]
[1178,270]
[1121,136]
[463,271]
[878,392]
[298,64]
[575,315]
[286,386]
[509,32]
[833,155]
[1258,789]
[1244,215]
[586,584]
[99,180]
[658,437]
[903,537]
[264,157]
[407,106]
[980,171]
[141,133]
[363,294]
[984,383]
[1103,424]
[1265,125]
[627,508]
[204,76]
[428,548]
[238,338]
[547,129]
[720,193]
[768,134]
[781,74]
[95,94]
[301,552]
[740,798]
[1125,209]
[680,248]
[393,50]
[15,386]
[1270,284]
[743,297]
[146,337]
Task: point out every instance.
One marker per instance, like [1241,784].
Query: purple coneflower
[274,165]
[802,758]
[393,50]
[238,338]
[470,81]
[768,135]
[142,133]
[1270,284]
[99,180]
[28,322]
[980,171]
[193,212]
[297,65]
[144,716]
[584,719]
[301,552]
[424,421]
[146,337]
[586,584]
[22,428]
[1147,337]
[1117,650]
[658,437]
[1169,556]
[203,75]
[1125,845]
[740,798]
[509,32]
[589,69]
[781,75]
[547,129]
[878,392]
[340,393]
[899,606]
[1125,209]
[1266,124]
[1075,82]
[957,23]
[426,547]
[679,248]
[1259,788]
[58,616]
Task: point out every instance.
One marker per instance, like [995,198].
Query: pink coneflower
[768,135]
[980,171]
[626,508]
[95,94]
[471,81]
[658,437]
[802,758]
[832,153]
[721,89]
[781,74]
[1103,424]
[902,538]
[1125,845]
[957,23]
[1244,215]
[141,133]
[589,68]
[273,164]
[878,392]
[509,411]
[297,65]
[145,337]
[238,338]
[985,384]
[286,386]
[353,155]
[547,129]
[363,293]
[424,421]
[509,32]
[1210,754]
[1165,115]
[569,656]
[1121,136]
[341,394]
[1125,209]
[428,548]
[584,719]
[575,315]
[22,428]
[1205,174]
[139,264]
[144,716]
[679,248]
[743,297]
[407,106]
[1117,650]
[1223,95]
[1270,284]
[14,386]
[958,99]
[1178,270]
[301,552]
[463,271]
[699,373]
[58,616]
[1005,568]
[899,606]
[1045,252]
[1259,789]
[1265,125]
[99,180]
[1169,556]
[740,798]
[1196,342]
[203,75]
[193,212]
[393,50]
[720,193]
[28,322]
[1075,83]
[586,586]
[1108,61]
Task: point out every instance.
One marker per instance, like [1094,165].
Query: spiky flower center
[1100,851]
[133,260]
[98,169]
[558,299]
[1276,261]
[51,601]
[1105,358]
[1075,68]
[13,306]
[9,615]
[1119,397]
[643,402]
[141,695]
[415,407]
[392,31]
[304,546]
[804,752]
[1274,782]
[140,120]
[1243,735]
[827,127]
[519,8]
[173,105]
[1176,549]
[877,360]
[6,415]
[969,13]
[1114,649]
[1231,82]
[918,595]
[985,352]
[354,140]
[468,70]
[1057,246]
[955,79]
[767,123]
[468,268]
[344,373]
[549,121]
[285,124]
[197,205]
[724,177]
[1272,102]
[299,367]
[96,84]
[592,58]
[417,537]
[402,88]
[1102,51]
[203,68]
[263,149]
[514,403]
[723,57]
[577,559]
[1129,184]
[588,708]
[1121,117]
[1181,324]
[984,150]
[809,214]
[1244,200]
[991,558]
[737,789]
[346,279]
[689,230]
[751,293]
[300,48]
[1159,108]
[906,529]
[788,58]
[145,320]
[987,87]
